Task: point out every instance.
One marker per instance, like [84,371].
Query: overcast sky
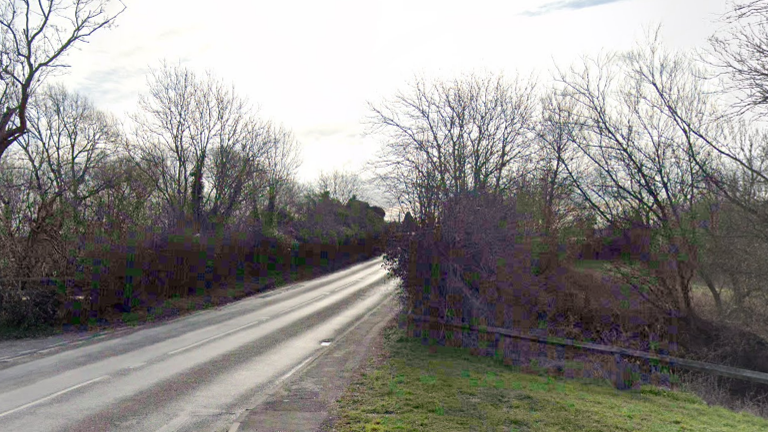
[313,65]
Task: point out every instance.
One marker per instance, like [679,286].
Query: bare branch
[34,39]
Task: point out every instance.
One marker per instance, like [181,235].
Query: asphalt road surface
[195,373]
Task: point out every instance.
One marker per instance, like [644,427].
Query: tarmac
[304,400]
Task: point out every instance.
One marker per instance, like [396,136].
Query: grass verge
[432,388]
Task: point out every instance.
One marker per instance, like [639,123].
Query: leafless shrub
[717,391]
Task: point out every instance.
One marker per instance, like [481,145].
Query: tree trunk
[713,290]
[197,198]
[684,279]
[272,197]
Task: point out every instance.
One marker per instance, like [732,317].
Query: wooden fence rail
[727,371]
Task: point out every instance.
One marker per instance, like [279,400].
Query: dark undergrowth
[157,274]
[151,309]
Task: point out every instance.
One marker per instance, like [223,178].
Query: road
[195,373]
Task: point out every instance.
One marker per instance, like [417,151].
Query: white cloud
[314,65]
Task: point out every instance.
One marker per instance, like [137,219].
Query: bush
[25,305]
[476,263]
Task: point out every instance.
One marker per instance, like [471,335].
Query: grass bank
[434,388]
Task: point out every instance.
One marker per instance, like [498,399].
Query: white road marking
[294,370]
[186,415]
[236,425]
[53,395]
[205,412]
[259,321]
[53,347]
[263,319]
[58,344]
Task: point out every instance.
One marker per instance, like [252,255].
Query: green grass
[592,265]
[446,389]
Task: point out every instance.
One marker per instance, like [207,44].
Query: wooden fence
[726,371]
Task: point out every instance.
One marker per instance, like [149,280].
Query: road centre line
[322,294]
[282,312]
[259,321]
[53,395]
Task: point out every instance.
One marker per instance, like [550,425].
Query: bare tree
[16,212]
[234,165]
[34,39]
[737,52]
[732,259]
[70,137]
[294,199]
[737,232]
[342,185]
[130,201]
[647,163]
[197,138]
[54,165]
[559,161]
[739,215]
[282,158]
[548,192]
[446,138]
